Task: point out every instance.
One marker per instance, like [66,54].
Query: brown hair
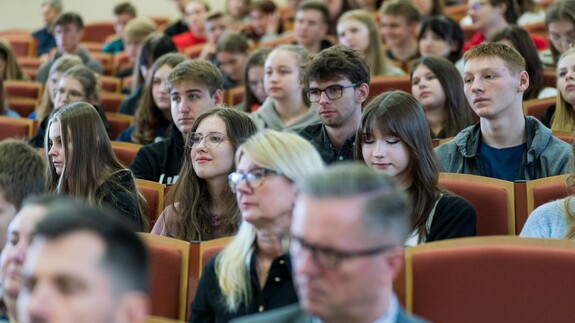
[198,71]
[456,105]
[256,58]
[399,114]
[12,71]
[148,116]
[194,215]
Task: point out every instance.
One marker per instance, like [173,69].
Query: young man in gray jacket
[505,144]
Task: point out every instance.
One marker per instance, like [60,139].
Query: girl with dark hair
[254,93]
[437,85]
[153,116]
[394,137]
[201,207]
[152,48]
[82,163]
[519,39]
[441,36]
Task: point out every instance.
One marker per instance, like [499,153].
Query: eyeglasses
[71,95]
[212,140]
[333,92]
[565,39]
[330,259]
[254,178]
[477,5]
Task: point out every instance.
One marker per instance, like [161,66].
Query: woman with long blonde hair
[253,274]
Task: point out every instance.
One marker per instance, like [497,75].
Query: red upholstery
[18,128]
[152,197]
[490,202]
[120,62]
[110,102]
[125,154]
[494,283]
[22,106]
[118,123]
[209,253]
[22,44]
[382,83]
[164,280]
[550,192]
[109,83]
[23,89]
[550,77]
[29,62]
[537,107]
[98,31]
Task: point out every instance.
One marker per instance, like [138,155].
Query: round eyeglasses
[211,141]
[333,92]
[254,178]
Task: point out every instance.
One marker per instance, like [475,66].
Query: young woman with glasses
[77,84]
[394,138]
[252,274]
[200,205]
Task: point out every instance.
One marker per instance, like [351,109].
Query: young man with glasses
[347,234]
[195,87]
[337,83]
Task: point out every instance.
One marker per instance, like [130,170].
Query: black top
[119,192]
[278,291]
[38,140]
[160,161]
[547,116]
[45,41]
[176,28]
[454,218]
[317,135]
[131,102]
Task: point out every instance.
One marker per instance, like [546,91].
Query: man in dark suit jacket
[346,244]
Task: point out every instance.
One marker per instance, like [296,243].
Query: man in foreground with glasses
[347,234]
[337,83]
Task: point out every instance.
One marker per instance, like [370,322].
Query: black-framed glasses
[212,141]
[333,92]
[328,258]
[254,178]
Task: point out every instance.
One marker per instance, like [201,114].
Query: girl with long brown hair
[394,137]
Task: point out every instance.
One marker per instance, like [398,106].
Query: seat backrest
[110,102]
[541,191]
[118,123]
[17,128]
[566,136]
[98,31]
[201,251]
[169,265]
[493,200]
[491,279]
[109,83]
[23,89]
[550,77]
[125,151]
[536,107]
[154,194]
[382,83]
[22,106]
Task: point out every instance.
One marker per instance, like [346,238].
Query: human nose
[184,105]
[323,98]
[379,150]
[39,304]
[242,185]
[52,152]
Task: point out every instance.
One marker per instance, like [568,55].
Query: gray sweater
[267,117]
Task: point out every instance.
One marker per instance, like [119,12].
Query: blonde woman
[252,274]
[561,116]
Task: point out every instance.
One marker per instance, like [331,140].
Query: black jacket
[119,194]
[161,161]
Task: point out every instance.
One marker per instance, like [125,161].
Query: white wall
[25,14]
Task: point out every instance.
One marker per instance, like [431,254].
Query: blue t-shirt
[501,163]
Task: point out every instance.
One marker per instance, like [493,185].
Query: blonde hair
[294,157]
[564,117]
